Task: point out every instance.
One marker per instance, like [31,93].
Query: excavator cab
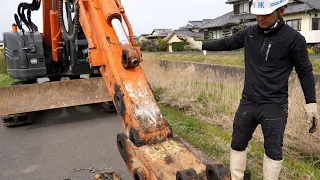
[29,58]
[25,57]
[24,51]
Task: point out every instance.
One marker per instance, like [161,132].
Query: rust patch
[168,160]
[119,101]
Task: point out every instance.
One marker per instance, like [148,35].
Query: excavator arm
[119,61]
[148,147]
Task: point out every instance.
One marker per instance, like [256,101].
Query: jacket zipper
[264,43]
[268,50]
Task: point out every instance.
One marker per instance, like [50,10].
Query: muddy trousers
[273,119]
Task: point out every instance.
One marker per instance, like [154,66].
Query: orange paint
[46,8]
[14,28]
[56,38]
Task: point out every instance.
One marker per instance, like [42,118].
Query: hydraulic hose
[76,23]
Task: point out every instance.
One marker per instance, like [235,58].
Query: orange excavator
[89,37]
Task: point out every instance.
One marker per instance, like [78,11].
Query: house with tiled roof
[302,15]
[159,33]
[193,25]
[191,29]
[142,37]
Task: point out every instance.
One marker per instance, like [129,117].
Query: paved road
[222,53]
[60,141]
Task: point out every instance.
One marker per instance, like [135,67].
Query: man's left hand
[192,44]
[312,116]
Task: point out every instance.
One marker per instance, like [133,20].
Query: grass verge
[5,80]
[3,64]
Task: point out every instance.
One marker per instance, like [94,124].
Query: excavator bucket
[51,95]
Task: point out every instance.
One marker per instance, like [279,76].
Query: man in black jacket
[272,49]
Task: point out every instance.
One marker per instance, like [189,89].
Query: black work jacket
[269,61]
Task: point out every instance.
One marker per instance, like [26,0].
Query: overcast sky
[144,15]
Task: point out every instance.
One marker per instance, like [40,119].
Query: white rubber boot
[271,168]
[238,162]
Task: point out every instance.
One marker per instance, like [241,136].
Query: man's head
[268,12]
[266,21]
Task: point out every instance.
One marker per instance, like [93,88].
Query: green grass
[157,91]
[3,65]
[216,143]
[313,54]
[206,98]
[5,80]
[219,60]
[316,65]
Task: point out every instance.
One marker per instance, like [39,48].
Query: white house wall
[306,26]
[305,20]
[312,36]
[173,39]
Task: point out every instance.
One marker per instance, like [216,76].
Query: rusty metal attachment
[119,101]
[218,171]
[107,176]
[170,159]
[159,161]
[140,174]
[122,147]
[130,58]
[189,174]
[36,97]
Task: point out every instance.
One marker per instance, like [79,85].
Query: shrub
[179,46]
[153,45]
[162,45]
[149,45]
